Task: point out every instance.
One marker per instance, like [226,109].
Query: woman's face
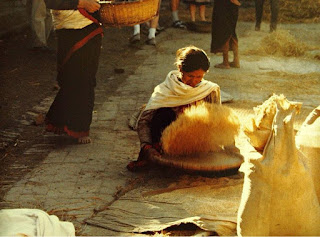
[192,78]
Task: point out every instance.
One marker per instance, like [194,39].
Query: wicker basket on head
[117,14]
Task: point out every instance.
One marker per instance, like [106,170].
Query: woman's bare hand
[90,5]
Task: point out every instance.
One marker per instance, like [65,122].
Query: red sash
[83,41]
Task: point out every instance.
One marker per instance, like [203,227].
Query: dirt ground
[28,77]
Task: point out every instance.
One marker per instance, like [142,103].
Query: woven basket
[213,161]
[117,14]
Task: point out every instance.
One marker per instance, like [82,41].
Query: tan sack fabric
[258,127]
[308,142]
[278,197]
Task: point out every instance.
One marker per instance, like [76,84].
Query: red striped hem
[60,130]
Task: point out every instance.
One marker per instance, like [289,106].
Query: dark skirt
[71,110]
[224,22]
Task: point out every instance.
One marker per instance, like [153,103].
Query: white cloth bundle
[32,222]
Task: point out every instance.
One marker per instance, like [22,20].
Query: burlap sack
[278,197]
[308,142]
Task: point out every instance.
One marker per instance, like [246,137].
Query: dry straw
[201,128]
[283,43]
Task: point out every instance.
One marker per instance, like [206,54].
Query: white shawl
[173,93]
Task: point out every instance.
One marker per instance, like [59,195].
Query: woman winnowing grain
[181,88]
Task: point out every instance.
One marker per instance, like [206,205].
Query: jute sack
[278,197]
[308,142]
[259,126]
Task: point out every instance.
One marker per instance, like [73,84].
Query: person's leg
[259,11]
[236,61]
[202,12]
[225,56]
[136,34]
[192,9]
[225,63]
[274,5]
[177,23]
[174,5]
[152,31]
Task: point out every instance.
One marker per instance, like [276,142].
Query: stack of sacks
[258,127]
[278,197]
[201,128]
[308,142]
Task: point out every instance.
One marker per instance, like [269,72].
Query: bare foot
[222,66]
[234,64]
[84,140]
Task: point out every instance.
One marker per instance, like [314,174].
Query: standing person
[202,8]
[79,42]
[223,33]
[181,88]
[274,7]
[41,24]
[177,23]
[135,38]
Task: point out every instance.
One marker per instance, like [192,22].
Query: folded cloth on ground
[33,222]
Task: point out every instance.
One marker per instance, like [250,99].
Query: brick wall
[14,16]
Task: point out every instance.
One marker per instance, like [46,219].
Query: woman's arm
[144,129]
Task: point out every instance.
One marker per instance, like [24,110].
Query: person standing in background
[41,24]
[177,23]
[223,33]
[151,40]
[202,8]
[274,7]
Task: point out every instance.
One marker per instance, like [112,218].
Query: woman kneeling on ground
[181,89]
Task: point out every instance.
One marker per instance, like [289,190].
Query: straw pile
[281,43]
[199,129]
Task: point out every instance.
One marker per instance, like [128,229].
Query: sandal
[179,24]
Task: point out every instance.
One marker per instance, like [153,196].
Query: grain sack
[258,127]
[308,142]
[201,128]
[278,197]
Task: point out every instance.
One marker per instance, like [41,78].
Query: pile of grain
[201,128]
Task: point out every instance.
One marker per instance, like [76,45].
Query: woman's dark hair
[191,58]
